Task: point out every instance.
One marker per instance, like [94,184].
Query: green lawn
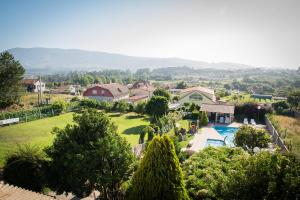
[39,132]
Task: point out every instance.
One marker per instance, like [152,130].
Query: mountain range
[54,60]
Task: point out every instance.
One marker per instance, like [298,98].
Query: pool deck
[208,132]
[199,141]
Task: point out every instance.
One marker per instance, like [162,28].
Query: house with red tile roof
[107,92]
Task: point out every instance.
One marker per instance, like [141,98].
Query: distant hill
[51,60]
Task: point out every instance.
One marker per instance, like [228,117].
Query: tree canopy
[162,92]
[157,106]
[294,98]
[89,155]
[11,74]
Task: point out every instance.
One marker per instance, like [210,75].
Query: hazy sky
[256,32]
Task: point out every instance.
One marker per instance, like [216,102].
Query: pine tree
[159,175]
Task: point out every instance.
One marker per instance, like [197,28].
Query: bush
[248,137]
[207,172]
[140,107]
[25,168]
[59,106]
[265,176]
[159,175]
[232,173]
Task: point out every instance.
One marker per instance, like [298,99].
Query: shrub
[207,172]
[248,137]
[159,175]
[59,106]
[140,107]
[25,168]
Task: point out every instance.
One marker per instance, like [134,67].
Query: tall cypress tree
[159,175]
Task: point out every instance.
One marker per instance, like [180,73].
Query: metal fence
[275,136]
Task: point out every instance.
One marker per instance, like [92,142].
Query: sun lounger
[221,119]
[253,122]
[227,120]
[246,121]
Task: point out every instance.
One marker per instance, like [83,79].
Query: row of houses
[142,90]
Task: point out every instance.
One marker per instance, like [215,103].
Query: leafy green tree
[89,155]
[11,74]
[157,106]
[25,168]
[162,92]
[294,98]
[248,137]
[181,85]
[159,175]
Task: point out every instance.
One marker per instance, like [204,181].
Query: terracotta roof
[116,89]
[9,192]
[137,98]
[198,88]
[29,81]
[219,108]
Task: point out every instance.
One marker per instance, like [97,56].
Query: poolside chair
[221,119]
[246,121]
[252,122]
[227,120]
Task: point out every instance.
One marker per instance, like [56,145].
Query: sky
[263,33]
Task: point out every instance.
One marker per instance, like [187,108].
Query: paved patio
[199,141]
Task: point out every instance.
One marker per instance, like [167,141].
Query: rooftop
[219,108]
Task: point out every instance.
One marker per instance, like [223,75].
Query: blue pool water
[214,143]
[228,133]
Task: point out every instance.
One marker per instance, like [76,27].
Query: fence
[275,136]
[37,113]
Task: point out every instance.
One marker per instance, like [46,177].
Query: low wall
[275,136]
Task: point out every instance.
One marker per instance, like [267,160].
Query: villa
[197,95]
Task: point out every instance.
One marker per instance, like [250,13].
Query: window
[196,97]
[94,91]
[102,91]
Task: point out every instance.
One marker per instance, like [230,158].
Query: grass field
[289,129]
[39,132]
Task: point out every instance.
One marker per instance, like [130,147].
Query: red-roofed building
[107,92]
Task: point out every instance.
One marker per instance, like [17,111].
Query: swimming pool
[214,143]
[228,133]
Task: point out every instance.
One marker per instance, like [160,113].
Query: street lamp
[258,108]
